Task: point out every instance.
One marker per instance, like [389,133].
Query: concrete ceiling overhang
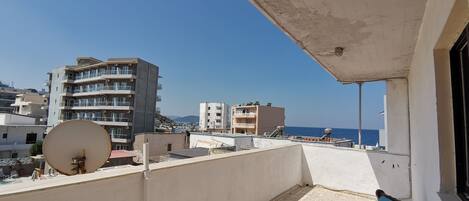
[378,37]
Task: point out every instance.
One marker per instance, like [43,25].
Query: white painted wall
[357,170]
[12,119]
[425,150]
[397,117]
[266,142]
[245,175]
[200,140]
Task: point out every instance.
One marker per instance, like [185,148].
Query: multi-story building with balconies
[120,94]
[256,119]
[214,117]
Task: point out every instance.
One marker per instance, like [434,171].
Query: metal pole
[360,114]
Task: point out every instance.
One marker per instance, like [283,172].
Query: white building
[214,116]
[31,104]
[17,134]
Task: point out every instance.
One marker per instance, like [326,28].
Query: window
[14,155]
[170,147]
[208,120]
[218,114]
[218,121]
[31,138]
[208,108]
[44,136]
[208,114]
[5,135]
[56,88]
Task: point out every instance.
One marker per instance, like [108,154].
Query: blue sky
[207,50]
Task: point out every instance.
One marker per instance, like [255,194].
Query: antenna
[77,147]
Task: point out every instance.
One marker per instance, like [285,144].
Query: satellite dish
[77,147]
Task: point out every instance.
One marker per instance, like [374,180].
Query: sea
[369,136]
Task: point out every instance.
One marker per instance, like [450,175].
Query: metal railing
[101,103]
[100,73]
[246,114]
[102,88]
[106,119]
[120,135]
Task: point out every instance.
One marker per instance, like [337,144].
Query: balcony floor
[318,193]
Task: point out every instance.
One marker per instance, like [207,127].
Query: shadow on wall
[356,170]
[392,173]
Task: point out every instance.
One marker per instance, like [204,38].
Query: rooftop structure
[256,119]
[214,116]
[120,94]
[17,134]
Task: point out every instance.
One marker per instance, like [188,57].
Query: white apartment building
[17,134]
[120,94]
[214,116]
[31,104]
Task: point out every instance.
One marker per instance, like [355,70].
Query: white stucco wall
[423,104]
[397,117]
[256,175]
[265,142]
[241,142]
[357,170]
[11,119]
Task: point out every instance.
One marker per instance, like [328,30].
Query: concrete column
[397,116]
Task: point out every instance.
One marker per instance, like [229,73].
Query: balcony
[244,115]
[102,75]
[272,173]
[121,137]
[158,98]
[105,121]
[103,105]
[244,125]
[101,90]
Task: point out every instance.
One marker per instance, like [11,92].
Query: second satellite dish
[77,147]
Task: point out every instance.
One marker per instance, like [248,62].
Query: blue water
[369,137]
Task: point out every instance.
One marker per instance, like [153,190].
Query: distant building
[256,119]
[214,116]
[31,104]
[8,96]
[17,134]
[120,94]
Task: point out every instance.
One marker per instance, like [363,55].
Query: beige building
[31,104]
[161,143]
[256,119]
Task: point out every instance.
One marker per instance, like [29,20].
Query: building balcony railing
[101,73]
[121,135]
[244,125]
[97,89]
[103,119]
[103,103]
[246,114]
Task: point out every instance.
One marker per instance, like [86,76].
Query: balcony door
[460,86]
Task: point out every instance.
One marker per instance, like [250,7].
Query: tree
[36,148]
